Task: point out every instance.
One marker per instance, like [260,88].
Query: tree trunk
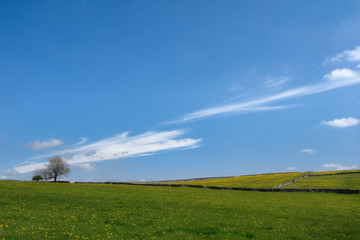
[55,178]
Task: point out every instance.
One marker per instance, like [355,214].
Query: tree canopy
[55,168]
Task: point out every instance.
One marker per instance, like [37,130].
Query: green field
[31,210]
[251,181]
[334,172]
[345,181]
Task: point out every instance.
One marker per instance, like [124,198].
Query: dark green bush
[37,178]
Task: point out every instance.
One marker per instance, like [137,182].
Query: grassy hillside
[334,172]
[75,211]
[346,181]
[251,181]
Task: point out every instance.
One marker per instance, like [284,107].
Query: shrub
[37,178]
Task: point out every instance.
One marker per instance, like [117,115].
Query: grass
[334,172]
[30,210]
[251,181]
[346,181]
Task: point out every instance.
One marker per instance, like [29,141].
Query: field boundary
[211,178]
[329,174]
[292,181]
[323,190]
[343,191]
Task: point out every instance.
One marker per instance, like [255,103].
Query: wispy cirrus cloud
[82,141]
[307,150]
[119,146]
[8,173]
[272,82]
[342,122]
[337,166]
[338,78]
[87,167]
[236,87]
[333,80]
[39,145]
[28,167]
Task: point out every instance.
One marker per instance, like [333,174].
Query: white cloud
[307,150]
[260,104]
[353,55]
[347,55]
[119,146]
[39,145]
[342,122]
[87,167]
[276,82]
[82,141]
[339,74]
[236,87]
[29,167]
[291,168]
[8,173]
[339,166]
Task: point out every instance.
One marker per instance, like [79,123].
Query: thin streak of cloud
[276,82]
[259,104]
[39,145]
[307,150]
[119,146]
[29,167]
[337,166]
[236,87]
[8,173]
[87,167]
[81,142]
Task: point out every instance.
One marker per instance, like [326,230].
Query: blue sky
[150,90]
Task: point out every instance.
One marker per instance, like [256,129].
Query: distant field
[251,181]
[346,181]
[334,172]
[79,211]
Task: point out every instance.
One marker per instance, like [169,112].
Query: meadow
[346,181]
[335,172]
[40,210]
[250,181]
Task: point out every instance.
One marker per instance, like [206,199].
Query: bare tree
[43,173]
[55,168]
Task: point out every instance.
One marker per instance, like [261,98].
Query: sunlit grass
[251,181]
[74,211]
[334,172]
[345,181]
